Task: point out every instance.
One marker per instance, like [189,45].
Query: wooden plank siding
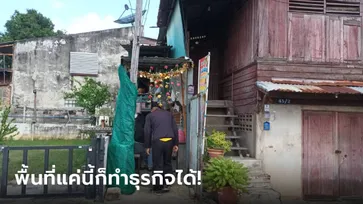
[318,46]
[268,70]
[238,83]
[272,28]
[307,36]
[265,40]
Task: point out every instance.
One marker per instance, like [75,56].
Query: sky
[77,16]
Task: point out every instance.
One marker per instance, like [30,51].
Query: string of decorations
[162,81]
[165,74]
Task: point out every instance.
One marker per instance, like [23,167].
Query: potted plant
[227,178]
[217,144]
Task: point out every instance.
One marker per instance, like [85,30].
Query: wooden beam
[8,45]
[146,62]
[7,54]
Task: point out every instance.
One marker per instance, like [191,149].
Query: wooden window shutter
[306,6]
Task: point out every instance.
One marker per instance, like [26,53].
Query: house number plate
[283,101]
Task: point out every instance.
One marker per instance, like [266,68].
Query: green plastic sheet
[120,153]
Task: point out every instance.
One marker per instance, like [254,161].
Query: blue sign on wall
[266,126]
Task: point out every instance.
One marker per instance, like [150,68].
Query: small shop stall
[162,80]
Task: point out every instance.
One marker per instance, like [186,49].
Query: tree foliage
[31,24]
[7,129]
[90,94]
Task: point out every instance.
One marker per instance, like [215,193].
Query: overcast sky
[77,16]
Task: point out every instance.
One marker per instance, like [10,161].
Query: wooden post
[183,104]
[135,43]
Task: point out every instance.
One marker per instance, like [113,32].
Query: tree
[90,95]
[7,129]
[31,24]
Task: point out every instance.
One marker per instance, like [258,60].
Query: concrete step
[260,185]
[250,163]
[219,104]
[239,148]
[233,137]
[259,179]
[256,172]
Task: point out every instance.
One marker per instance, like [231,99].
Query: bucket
[181,136]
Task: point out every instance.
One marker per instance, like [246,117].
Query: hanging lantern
[172,83]
[167,93]
[178,84]
[151,68]
[166,67]
[166,86]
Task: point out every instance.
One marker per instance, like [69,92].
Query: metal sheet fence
[194,140]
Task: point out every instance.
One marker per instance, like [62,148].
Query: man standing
[161,133]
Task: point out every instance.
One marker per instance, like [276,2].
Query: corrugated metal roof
[270,86]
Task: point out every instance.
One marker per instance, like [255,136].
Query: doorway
[332,155]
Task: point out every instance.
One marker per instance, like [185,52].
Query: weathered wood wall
[265,40]
[239,69]
[308,45]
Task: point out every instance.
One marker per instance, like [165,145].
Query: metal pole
[135,44]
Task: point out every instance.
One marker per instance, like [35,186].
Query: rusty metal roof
[298,88]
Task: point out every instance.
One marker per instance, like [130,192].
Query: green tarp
[121,148]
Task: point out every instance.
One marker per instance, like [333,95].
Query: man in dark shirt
[161,133]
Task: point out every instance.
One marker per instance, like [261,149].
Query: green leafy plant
[217,140]
[90,94]
[223,172]
[7,128]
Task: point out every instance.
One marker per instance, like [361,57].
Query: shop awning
[311,86]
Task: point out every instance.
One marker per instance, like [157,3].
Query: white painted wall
[280,148]
[48,131]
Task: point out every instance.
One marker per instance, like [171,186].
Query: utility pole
[136,43]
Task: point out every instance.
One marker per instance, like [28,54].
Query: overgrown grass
[59,158]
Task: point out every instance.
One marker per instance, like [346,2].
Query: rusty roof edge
[316,82]
[268,86]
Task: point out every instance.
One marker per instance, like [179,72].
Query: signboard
[203,83]
[203,74]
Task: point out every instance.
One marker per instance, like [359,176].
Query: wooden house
[294,67]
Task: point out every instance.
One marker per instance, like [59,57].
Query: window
[84,64]
[325,7]
[70,103]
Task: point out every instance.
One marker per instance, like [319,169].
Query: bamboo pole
[183,105]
